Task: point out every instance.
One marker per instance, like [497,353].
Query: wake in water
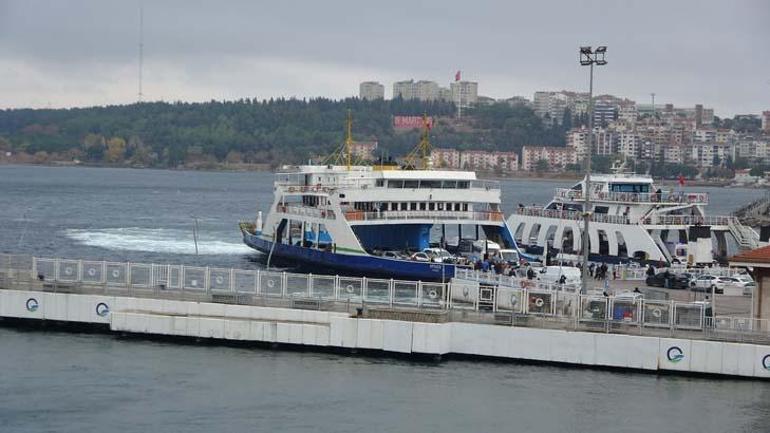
[170,241]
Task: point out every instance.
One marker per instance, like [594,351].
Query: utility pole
[589,58]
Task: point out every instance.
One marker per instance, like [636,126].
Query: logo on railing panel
[102,309]
[32,305]
[674,354]
[766,362]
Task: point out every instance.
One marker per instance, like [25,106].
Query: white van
[553,274]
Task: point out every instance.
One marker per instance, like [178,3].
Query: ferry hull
[330,262]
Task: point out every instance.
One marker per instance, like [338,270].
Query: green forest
[250,131]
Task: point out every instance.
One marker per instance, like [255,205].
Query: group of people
[599,272]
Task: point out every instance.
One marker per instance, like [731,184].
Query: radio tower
[141,50]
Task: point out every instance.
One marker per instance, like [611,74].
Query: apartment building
[371,90]
[557,157]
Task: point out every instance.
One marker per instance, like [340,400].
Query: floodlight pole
[588,58]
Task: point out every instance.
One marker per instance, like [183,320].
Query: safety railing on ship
[424,214]
[676,197]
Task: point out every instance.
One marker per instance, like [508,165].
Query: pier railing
[502,301]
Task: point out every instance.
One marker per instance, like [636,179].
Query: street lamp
[589,58]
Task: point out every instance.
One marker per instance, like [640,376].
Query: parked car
[675,281]
[439,255]
[707,283]
[419,257]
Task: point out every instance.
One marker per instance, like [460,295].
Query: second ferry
[383,220]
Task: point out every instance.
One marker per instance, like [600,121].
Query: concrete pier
[677,340]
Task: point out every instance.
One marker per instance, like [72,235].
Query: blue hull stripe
[399,269]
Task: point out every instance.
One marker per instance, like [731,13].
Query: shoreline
[266,168]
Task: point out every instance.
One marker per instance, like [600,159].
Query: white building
[371,90]
[464,93]
[426,90]
[404,89]
[445,158]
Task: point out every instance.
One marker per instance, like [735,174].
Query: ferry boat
[378,220]
[630,220]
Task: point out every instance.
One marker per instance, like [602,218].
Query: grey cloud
[686,51]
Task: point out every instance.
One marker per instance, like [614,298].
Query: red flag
[457,76]
[681,180]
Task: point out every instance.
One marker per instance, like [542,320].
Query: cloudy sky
[80,53]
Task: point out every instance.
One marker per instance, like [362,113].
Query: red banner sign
[410,122]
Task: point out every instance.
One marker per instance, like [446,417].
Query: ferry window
[413,206]
[430,184]
[383,207]
[449,184]
[393,206]
[380,182]
[410,183]
[422,206]
[457,206]
[395,184]
[465,207]
[403,206]
[431,206]
[463,184]
[601,209]
[629,187]
[440,206]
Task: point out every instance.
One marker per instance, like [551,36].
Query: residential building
[404,89]
[556,157]
[445,158]
[766,121]
[628,144]
[675,154]
[371,90]
[364,150]
[426,90]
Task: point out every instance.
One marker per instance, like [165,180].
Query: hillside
[273,132]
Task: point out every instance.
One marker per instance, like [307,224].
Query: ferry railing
[571,215]
[710,220]
[676,197]
[494,300]
[308,211]
[424,214]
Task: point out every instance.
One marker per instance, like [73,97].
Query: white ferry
[379,220]
[631,220]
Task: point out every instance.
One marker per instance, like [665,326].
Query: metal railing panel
[688,316]
[657,314]
[67,270]
[405,292]
[297,285]
[349,288]
[92,272]
[194,278]
[116,274]
[245,281]
[140,275]
[219,280]
[324,286]
[271,283]
[593,308]
[377,291]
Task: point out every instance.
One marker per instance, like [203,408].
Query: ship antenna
[349,138]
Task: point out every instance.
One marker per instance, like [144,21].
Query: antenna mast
[141,50]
